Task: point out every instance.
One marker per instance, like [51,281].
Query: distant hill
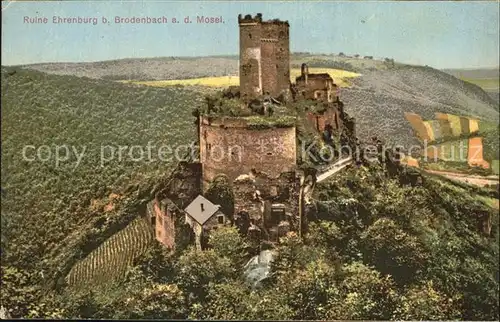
[378,99]
[168,68]
[487,78]
[474,73]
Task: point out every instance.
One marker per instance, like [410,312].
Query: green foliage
[225,301]
[227,242]
[196,269]
[363,294]
[429,233]
[324,234]
[393,251]
[309,292]
[220,193]
[217,104]
[19,292]
[265,122]
[156,263]
[40,109]
[156,301]
[423,302]
[234,301]
[292,254]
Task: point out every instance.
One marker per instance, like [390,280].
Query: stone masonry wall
[264,57]
[229,147]
[164,227]
[250,60]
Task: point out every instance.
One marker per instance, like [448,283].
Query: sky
[438,34]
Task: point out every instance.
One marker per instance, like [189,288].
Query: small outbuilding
[202,216]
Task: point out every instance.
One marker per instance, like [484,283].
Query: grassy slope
[49,207]
[171,68]
[340,76]
[378,101]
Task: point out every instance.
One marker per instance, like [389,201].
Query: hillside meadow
[341,78]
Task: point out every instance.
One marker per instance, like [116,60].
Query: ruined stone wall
[269,66]
[164,224]
[255,195]
[229,146]
[325,88]
[283,56]
[330,116]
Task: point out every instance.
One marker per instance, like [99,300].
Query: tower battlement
[249,18]
[276,22]
[257,19]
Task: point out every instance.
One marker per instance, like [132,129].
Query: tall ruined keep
[264,57]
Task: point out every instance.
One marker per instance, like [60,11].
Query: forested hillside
[376,250]
[55,214]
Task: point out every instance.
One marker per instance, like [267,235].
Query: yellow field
[339,76]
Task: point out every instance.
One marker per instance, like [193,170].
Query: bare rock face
[183,185]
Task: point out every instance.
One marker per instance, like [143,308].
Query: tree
[196,269]
[393,251]
[309,294]
[227,242]
[156,264]
[19,293]
[363,294]
[157,301]
[324,234]
[424,302]
[225,301]
[220,192]
[289,255]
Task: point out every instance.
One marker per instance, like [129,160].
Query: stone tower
[264,56]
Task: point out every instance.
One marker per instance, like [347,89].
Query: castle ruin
[256,150]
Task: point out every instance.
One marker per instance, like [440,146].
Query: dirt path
[471,179]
